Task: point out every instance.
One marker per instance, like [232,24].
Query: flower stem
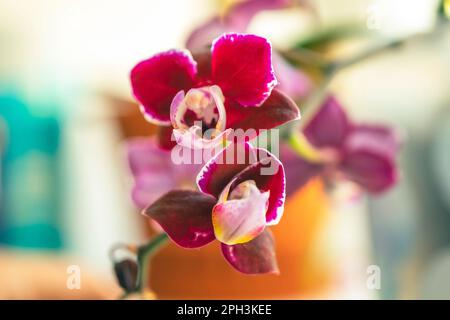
[144,253]
[300,144]
[333,67]
[330,69]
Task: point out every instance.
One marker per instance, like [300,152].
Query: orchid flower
[231,87]
[291,81]
[154,172]
[236,19]
[364,154]
[236,201]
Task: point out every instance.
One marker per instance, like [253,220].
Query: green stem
[334,67]
[313,103]
[143,258]
[300,144]
[302,56]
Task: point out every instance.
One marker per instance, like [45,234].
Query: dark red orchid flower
[242,190]
[364,154]
[202,99]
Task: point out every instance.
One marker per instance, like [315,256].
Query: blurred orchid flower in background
[154,172]
[362,153]
[291,80]
[236,19]
[225,90]
[234,205]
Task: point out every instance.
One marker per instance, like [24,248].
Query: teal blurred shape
[30,205]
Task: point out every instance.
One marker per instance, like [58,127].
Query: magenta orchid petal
[185,216]
[155,82]
[254,257]
[242,68]
[220,169]
[278,109]
[329,127]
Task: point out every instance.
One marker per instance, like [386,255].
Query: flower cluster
[203,97]
[198,100]
[234,205]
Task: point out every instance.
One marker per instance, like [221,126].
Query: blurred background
[66,110]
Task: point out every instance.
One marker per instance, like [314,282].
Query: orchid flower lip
[240,213]
[207,105]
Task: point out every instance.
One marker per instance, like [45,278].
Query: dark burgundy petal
[254,257]
[268,174]
[275,111]
[220,169]
[242,68]
[329,126]
[155,82]
[373,171]
[378,137]
[369,156]
[298,171]
[185,216]
[203,58]
[165,140]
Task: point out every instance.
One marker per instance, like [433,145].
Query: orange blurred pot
[203,273]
